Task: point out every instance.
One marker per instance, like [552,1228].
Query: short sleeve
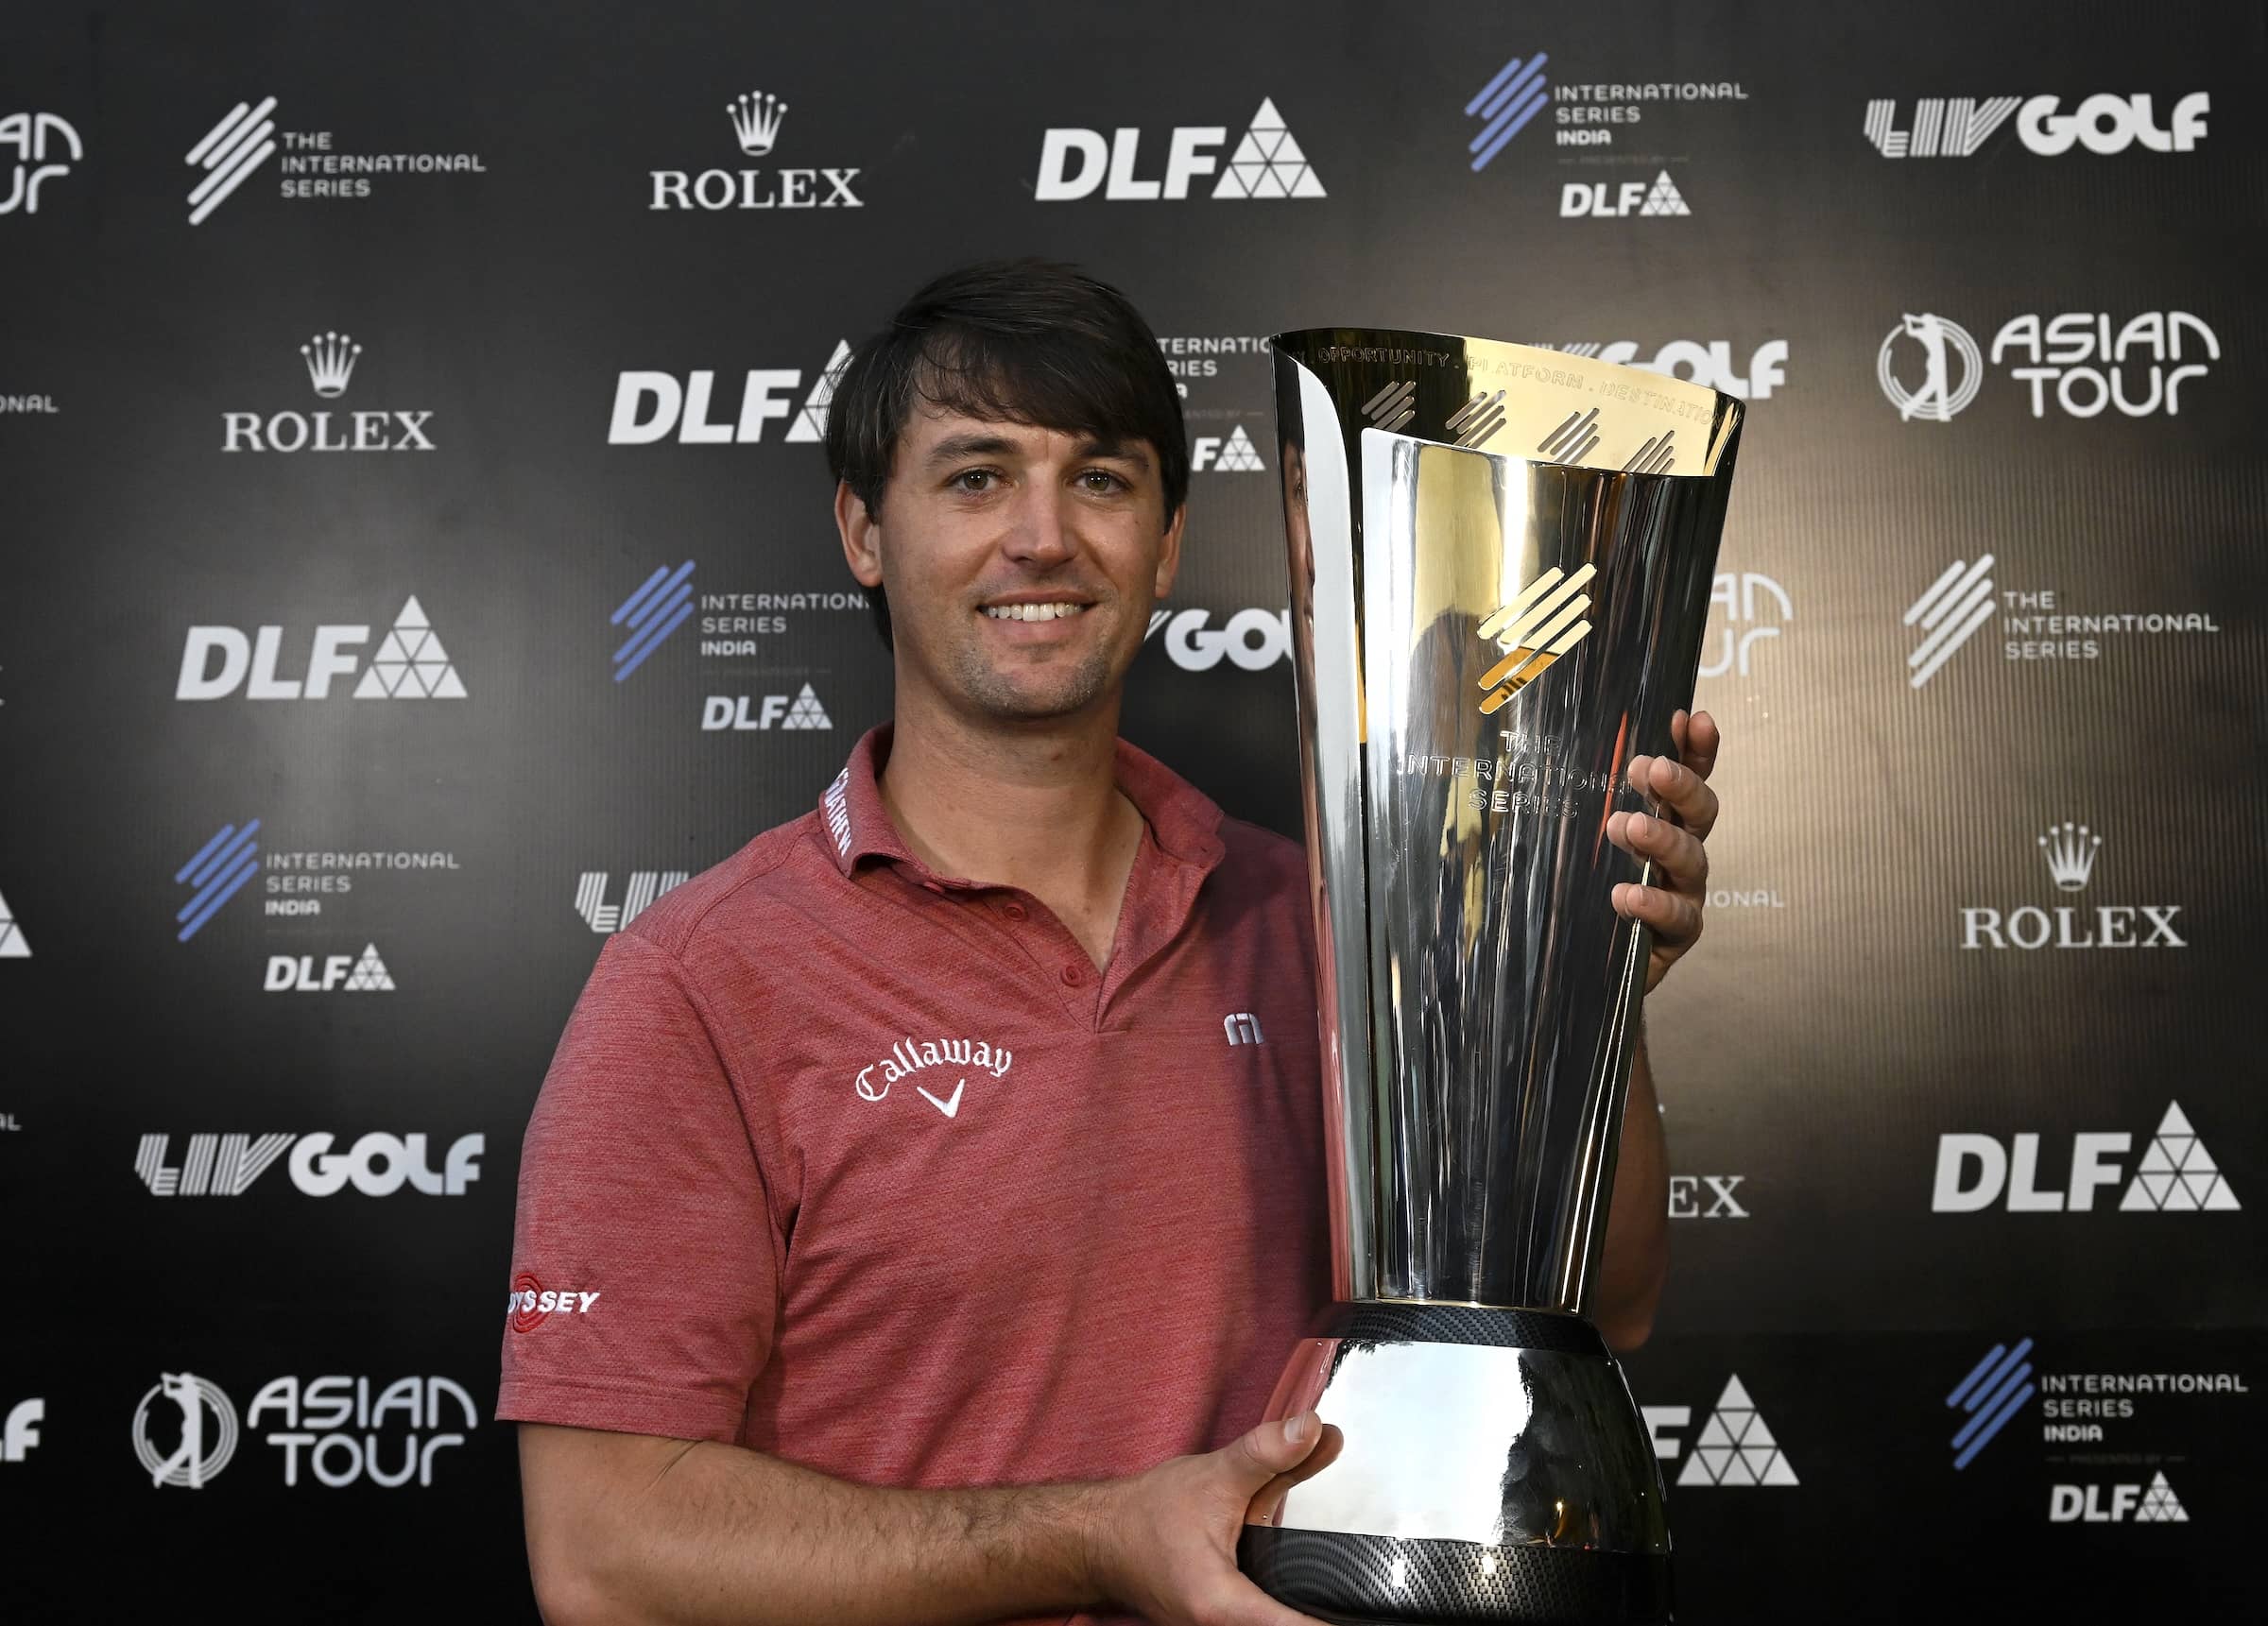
[645,1257]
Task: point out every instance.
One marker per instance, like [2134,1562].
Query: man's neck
[1032,806]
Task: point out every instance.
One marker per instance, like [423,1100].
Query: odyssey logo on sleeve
[530,1303]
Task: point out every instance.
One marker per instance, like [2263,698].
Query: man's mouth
[1058,611]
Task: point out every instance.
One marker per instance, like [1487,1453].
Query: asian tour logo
[337,1430]
[662,603]
[1267,163]
[652,406]
[756,118]
[1735,1447]
[46,146]
[2085,363]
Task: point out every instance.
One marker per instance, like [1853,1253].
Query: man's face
[1022,563]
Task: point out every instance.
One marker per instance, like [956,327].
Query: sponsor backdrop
[417,560]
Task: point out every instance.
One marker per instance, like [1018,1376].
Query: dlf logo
[2177,1172]
[1268,162]
[1596,199]
[650,406]
[1735,1448]
[2154,1503]
[296,974]
[1234,455]
[801,710]
[410,663]
[21,1431]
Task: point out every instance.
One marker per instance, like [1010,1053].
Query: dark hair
[1014,341]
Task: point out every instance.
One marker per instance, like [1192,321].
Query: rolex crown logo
[2071,854]
[329,363]
[1544,622]
[756,118]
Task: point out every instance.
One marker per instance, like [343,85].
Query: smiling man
[932,1242]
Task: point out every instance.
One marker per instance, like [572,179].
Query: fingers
[1261,1454]
[1698,750]
[1680,789]
[1268,1502]
[1238,1602]
[1678,853]
[1674,917]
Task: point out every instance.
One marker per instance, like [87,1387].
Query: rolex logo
[2071,854]
[1537,628]
[756,119]
[329,363]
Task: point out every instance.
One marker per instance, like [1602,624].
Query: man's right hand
[1164,1543]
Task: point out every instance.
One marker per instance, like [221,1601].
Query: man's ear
[1169,553]
[860,533]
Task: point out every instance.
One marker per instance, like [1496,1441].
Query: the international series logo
[1546,620]
[662,603]
[1504,106]
[216,874]
[1994,1390]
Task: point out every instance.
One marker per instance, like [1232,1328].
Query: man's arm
[635,1528]
[1638,1225]
[1637,1260]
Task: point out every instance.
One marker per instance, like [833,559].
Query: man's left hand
[1672,844]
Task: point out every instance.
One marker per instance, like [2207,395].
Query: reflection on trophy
[1501,568]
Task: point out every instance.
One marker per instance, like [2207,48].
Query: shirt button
[1073,974]
[934,887]
[1013,911]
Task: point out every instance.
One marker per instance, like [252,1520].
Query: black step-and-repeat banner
[415,558]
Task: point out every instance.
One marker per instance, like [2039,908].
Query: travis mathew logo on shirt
[909,1056]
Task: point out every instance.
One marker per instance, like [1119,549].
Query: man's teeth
[1032,611]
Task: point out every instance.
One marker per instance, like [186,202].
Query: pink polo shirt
[867,1167]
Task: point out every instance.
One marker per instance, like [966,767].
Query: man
[904,1217]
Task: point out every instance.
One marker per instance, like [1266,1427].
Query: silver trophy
[1500,562]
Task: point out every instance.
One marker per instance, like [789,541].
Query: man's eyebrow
[1136,452]
[975,444]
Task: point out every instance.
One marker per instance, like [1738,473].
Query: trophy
[1501,563]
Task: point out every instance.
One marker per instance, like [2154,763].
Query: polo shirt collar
[1183,820]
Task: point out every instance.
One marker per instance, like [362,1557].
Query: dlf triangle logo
[370,974]
[2178,1174]
[410,664]
[1735,1447]
[806,713]
[2160,1505]
[811,422]
[1234,455]
[1664,198]
[13,946]
[1268,162]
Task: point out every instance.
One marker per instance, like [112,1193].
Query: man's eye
[1101,480]
[974,480]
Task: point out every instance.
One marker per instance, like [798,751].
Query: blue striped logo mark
[1507,102]
[1994,1390]
[654,611]
[220,868]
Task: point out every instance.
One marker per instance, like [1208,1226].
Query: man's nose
[1040,529]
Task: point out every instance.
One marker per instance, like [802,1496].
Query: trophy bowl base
[1479,1465]
[1374,1580]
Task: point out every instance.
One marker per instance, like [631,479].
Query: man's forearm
[1638,1225]
[707,1532]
